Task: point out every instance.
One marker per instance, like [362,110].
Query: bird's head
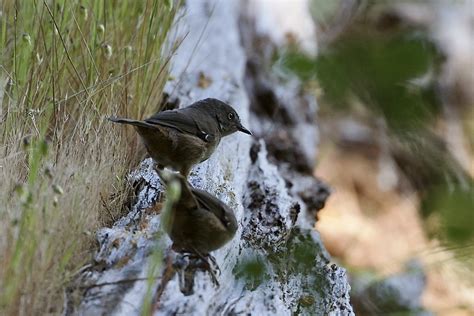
[226,117]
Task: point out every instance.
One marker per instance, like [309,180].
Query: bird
[184,137]
[196,221]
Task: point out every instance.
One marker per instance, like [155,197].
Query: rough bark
[276,264]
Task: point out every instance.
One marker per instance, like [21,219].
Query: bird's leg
[207,265]
[213,260]
[186,265]
[209,269]
[212,263]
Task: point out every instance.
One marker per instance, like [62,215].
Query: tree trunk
[276,264]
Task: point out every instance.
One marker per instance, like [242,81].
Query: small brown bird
[196,221]
[182,138]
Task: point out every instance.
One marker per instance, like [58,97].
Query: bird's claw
[213,264]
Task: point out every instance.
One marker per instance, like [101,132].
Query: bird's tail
[130,122]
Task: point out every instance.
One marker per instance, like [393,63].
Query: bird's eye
[230,116]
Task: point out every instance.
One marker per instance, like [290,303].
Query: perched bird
[182,138]
[196,221]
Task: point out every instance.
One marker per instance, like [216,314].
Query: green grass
[65,66]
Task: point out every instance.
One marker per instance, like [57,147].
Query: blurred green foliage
[377,69]
[392,75]
[455,206]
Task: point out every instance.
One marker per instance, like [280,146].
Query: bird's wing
[184,122]
[212,204]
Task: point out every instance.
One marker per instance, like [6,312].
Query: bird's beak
[243,129]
